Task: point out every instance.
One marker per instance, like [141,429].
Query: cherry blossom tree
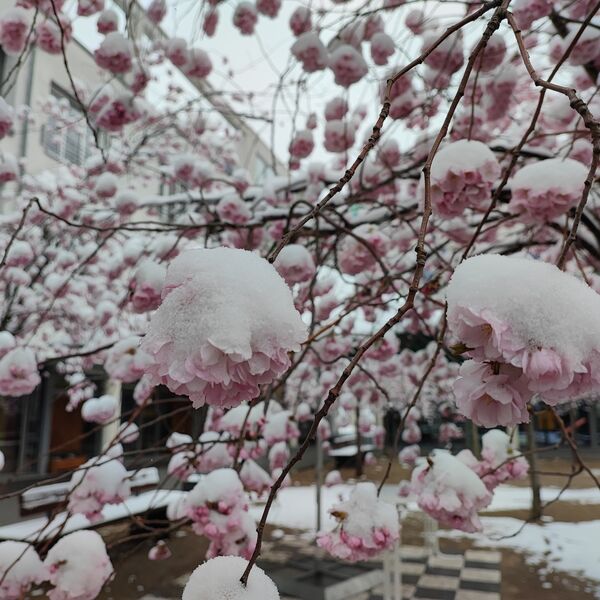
[431,246]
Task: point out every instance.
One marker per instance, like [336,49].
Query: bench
[41,528]
[46,498]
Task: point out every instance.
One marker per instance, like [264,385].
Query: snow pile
[547,189]
[79,566]
[225,326]
[99,410]
[218,508]
[462,176]
[530,328]
[99,481]
[449,491]
[219,579]
[20,567]
[366,526]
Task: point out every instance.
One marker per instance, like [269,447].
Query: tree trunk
[536,501]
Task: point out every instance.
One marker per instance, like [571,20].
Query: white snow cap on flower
[20,567]
[546,189]
[176,440]
[225,326]
[219,579]
[449,491]
[295,264]
[79,566]
[368,525]
[99,410]
[97,482]
[128,433]
[542,305]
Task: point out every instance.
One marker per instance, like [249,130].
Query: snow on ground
[295,507]
[573,548]
[570,547]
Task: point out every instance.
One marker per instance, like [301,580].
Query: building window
[69,139]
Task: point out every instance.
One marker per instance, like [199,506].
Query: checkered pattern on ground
[474,575]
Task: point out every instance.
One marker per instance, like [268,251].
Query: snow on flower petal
[219,578]
[225,326]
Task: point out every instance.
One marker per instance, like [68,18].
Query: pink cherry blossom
[99,481]
[300,21]
[245,17]
[125,361]
[114,53]
[48,35]
[347,64]
[198,64]
[7,115]
[218,507]
[20,568]
[339,136]
[528,11]
[547,189]
[85,8]
[357,255]
[176,51]
[18,372]
[232,209]
[160,551]
[14,27]
[107,21]
[157,10]
[490,397]
[462,176]
[382,47]
[146,286]
[269,8]
[295,264]
[302,144]
[310,51]
[409,454]
[79,566]
[211,20]
[99,410]
[366,526]
[450,492]
[225,349]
